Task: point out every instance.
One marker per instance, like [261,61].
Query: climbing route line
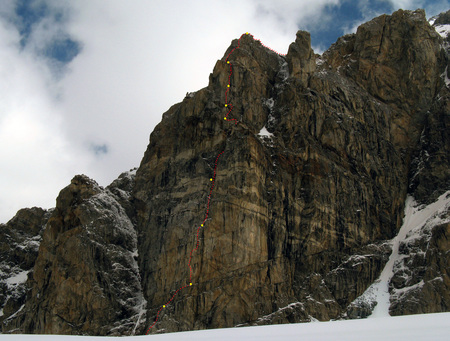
[229,106]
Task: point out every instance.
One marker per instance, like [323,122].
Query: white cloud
[369,11]
[287,15]
[407,4]
[431,7]
[35,161]
[138,58]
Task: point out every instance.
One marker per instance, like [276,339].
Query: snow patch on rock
[416,220]
[264,132]
[443,30]
[17,278]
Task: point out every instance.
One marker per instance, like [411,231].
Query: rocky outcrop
[19,244]
[429,172]
[85,278]
[395,58]
[282,212]
[301,58]
[421,280]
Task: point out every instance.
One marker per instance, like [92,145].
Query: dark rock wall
[421,281]
[292,216]
[298,220]
[19,243]
[85,279]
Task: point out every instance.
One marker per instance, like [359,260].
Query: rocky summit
[289,210]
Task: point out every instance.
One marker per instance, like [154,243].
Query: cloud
[83,83]
[371,9]
[432,7]
[287,16]
[139,59]
[35,160]
[367,10]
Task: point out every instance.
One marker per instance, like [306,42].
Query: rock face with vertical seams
[19,244]
[298,219]
[85,279]
[310,171]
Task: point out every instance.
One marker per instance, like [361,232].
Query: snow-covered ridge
[105,211]
[443,30]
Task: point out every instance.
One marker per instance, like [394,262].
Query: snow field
[427,327]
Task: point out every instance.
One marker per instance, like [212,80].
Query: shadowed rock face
[19,243]
[85,278]
[298,221]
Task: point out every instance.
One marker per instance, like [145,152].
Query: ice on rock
[443,30]
[18,278]
[265,133]
[269,102]
[284,70]
[445,77]
[417,220]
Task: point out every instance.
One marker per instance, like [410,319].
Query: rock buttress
[298,219]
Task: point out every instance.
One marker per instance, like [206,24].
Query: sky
[83,83]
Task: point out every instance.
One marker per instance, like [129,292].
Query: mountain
[291,189]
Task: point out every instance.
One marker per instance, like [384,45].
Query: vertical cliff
[19,244]
[85,279]
[271,196]
[299,215]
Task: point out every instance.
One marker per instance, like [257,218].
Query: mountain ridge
[301,216]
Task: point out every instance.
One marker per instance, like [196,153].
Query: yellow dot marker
[210,179]
[228,85]
[228,62]
[164,306]
[246,32]
[226,105]
[190,283]
[225,118]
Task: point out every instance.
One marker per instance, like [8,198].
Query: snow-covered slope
[442,26]
[418,223]
[434,327]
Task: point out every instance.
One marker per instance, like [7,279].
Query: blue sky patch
[99,149]
[343,17]
[29,12]
[63,50]
[349,13]
[60,47]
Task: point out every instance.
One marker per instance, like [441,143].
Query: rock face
[294,197]
[298,219]
[421,280]
[85,278]
[430,174]
[19,244]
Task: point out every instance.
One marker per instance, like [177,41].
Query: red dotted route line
[213,179]
[267,47]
